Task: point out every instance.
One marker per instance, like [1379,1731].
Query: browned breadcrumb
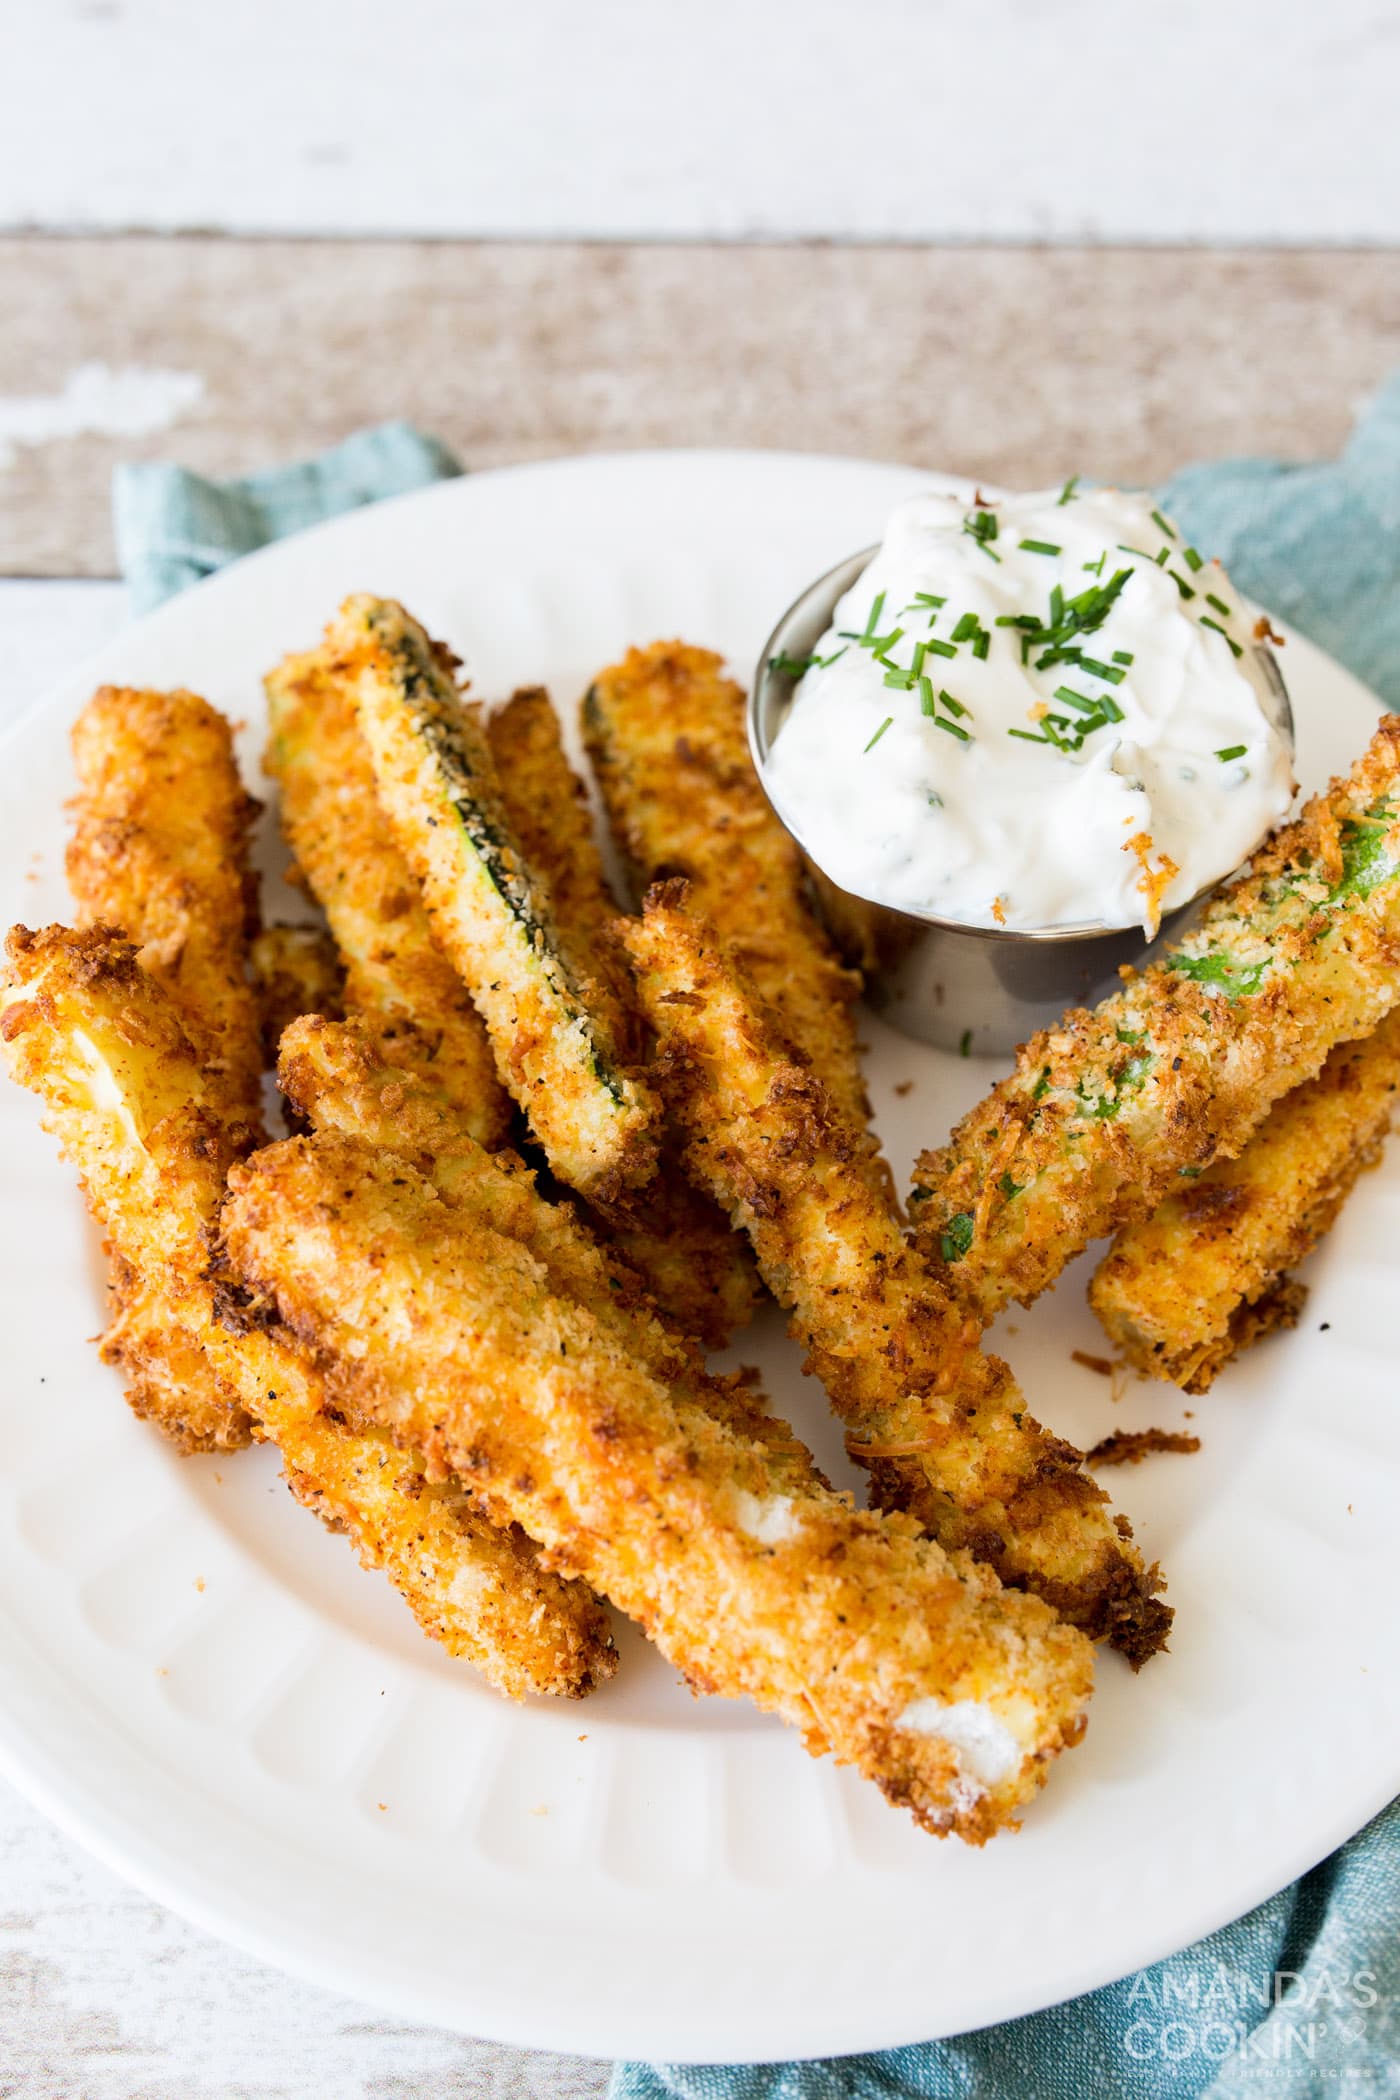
[1102,1364]
[1128,1447]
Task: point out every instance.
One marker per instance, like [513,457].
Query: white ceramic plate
[200,1683]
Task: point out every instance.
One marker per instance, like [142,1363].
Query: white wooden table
[1011,364]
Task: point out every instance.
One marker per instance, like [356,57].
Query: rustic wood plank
[1018,365]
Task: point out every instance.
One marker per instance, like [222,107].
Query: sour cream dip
[1043,711]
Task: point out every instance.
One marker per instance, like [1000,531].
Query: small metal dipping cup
[980,989]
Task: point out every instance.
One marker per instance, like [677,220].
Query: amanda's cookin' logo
[1281,2018]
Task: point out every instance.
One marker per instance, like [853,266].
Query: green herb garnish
[1237,980]
[1218,603]
[1161,524]
[1192,560]
[1232,751]
[956,1237]
[878,734]
[1040,547]
[1066,494]
[1235,649]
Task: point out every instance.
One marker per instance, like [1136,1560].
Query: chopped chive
[900,680]
[1017,620]
[872,621]
[1182,585]
[1192,560]
[967,627]
[920,652]
[1026,736]
[1057,606]
[923,601]
[981,645]
[1095,568]
[1162,558]
[791,666]
[1079,700]
[1161,524]
[1206,621]
[1109,671]
[956,706]
[1122,656]
[965,1043]
[1141,552]
[1067,492]
[981,525]
[1233,751]
[821,662]
[1110,707]
[878,734]
[937,648]
[927,704]
[942,722]
[1218,603]
[1040,547]
[880,644]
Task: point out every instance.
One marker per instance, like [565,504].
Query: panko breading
[1185,1290]
[296,970]
[127,1097]
[949,1692]
[395,972]
[593,1114]
[942,1428]
[336,1081]
[698,1269]
[1106,1110]
[665,731]
[169,1380]
[159,849]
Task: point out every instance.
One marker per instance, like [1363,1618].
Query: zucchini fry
[396,974]
[698,1270]
[126,1091]
[593,1116]
[159,849]
[335,1079]
[1104,1112]
[942,1428]
[949,1692]
[1185,1290]
[665,731]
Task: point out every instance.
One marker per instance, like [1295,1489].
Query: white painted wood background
[1065,120]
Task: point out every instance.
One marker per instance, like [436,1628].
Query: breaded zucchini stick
[665,731]
[336,1080]
[1186,1289]
[396,974]
[296,970]
[698,1269]
[942,1428]
[594,1116]
[127,1096]
[159,848]
[952,1694]
[1105,1111]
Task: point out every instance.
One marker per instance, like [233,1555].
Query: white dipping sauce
[934,761]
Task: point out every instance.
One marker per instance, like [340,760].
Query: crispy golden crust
[296,970]
[170,1380]
[336,1079]
[1175,1291]
[593,1114]
[135,1108]
[698,1269]
[1105,1111]
[395,972]
[159,849]
[665,731]
[942,1428]
[425,1319]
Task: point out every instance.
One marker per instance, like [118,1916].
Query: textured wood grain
[1018,365]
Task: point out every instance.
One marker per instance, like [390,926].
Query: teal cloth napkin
[1301,1998]
[173,527]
